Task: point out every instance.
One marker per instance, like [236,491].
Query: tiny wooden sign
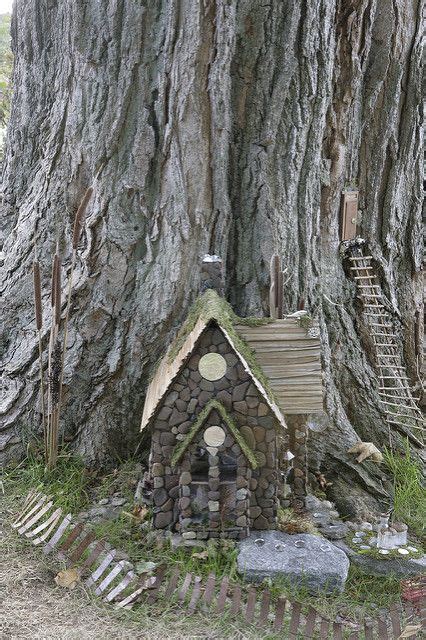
[349,214]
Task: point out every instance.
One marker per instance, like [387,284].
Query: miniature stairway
[395,394]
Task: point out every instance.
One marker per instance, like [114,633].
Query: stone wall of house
[185,399]
[230,513]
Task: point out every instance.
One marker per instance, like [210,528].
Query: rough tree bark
[226,126]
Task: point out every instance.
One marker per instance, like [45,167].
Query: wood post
[297,426]
[276,288]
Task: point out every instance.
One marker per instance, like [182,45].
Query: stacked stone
[211,274]
[298,446]
[256,499]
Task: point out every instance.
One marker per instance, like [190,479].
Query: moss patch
[214,404]
[305,322]
[211,307]
[291,522]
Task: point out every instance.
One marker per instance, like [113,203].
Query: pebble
[189,535]
[384,552]
[118,502]
[366,526]
[97,511]
[356,540]
[413,549]
[103,501]
[364,546]
[359,534]
[403,552]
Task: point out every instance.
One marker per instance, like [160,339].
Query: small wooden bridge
[116,581]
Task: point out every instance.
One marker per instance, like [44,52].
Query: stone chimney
[212,275]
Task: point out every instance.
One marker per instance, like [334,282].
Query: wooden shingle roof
[290,357]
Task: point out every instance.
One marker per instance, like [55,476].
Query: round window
[214,436]
[212,366]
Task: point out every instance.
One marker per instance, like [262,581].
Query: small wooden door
[349,214]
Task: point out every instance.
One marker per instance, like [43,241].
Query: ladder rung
[388,355]
[391,366]
[415,418]
[373,275]
[393,378]
[376,334]
[379,324]
[368,286]
[406,415]
[360,268]
[388,395]
[360,257]
[386,344]
[393,388]
[401,424]
[400,406]
[374,306]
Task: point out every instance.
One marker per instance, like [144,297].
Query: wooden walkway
[116,582]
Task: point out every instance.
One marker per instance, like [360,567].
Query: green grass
[68,482]
[121,479]
[409,494]
[71,484]
[363,594]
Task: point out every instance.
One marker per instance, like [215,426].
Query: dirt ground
[32,606]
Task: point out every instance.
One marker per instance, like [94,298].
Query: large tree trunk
[225,127]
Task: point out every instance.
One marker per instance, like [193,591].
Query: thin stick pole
[54,329]
[43,408]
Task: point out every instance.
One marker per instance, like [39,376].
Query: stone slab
[316,564]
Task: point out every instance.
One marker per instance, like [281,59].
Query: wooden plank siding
[292,362]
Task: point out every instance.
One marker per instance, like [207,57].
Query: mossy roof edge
[202,416]
[209,306]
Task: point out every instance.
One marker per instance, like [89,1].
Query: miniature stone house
[217,431]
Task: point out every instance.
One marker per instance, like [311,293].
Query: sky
[6,6]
